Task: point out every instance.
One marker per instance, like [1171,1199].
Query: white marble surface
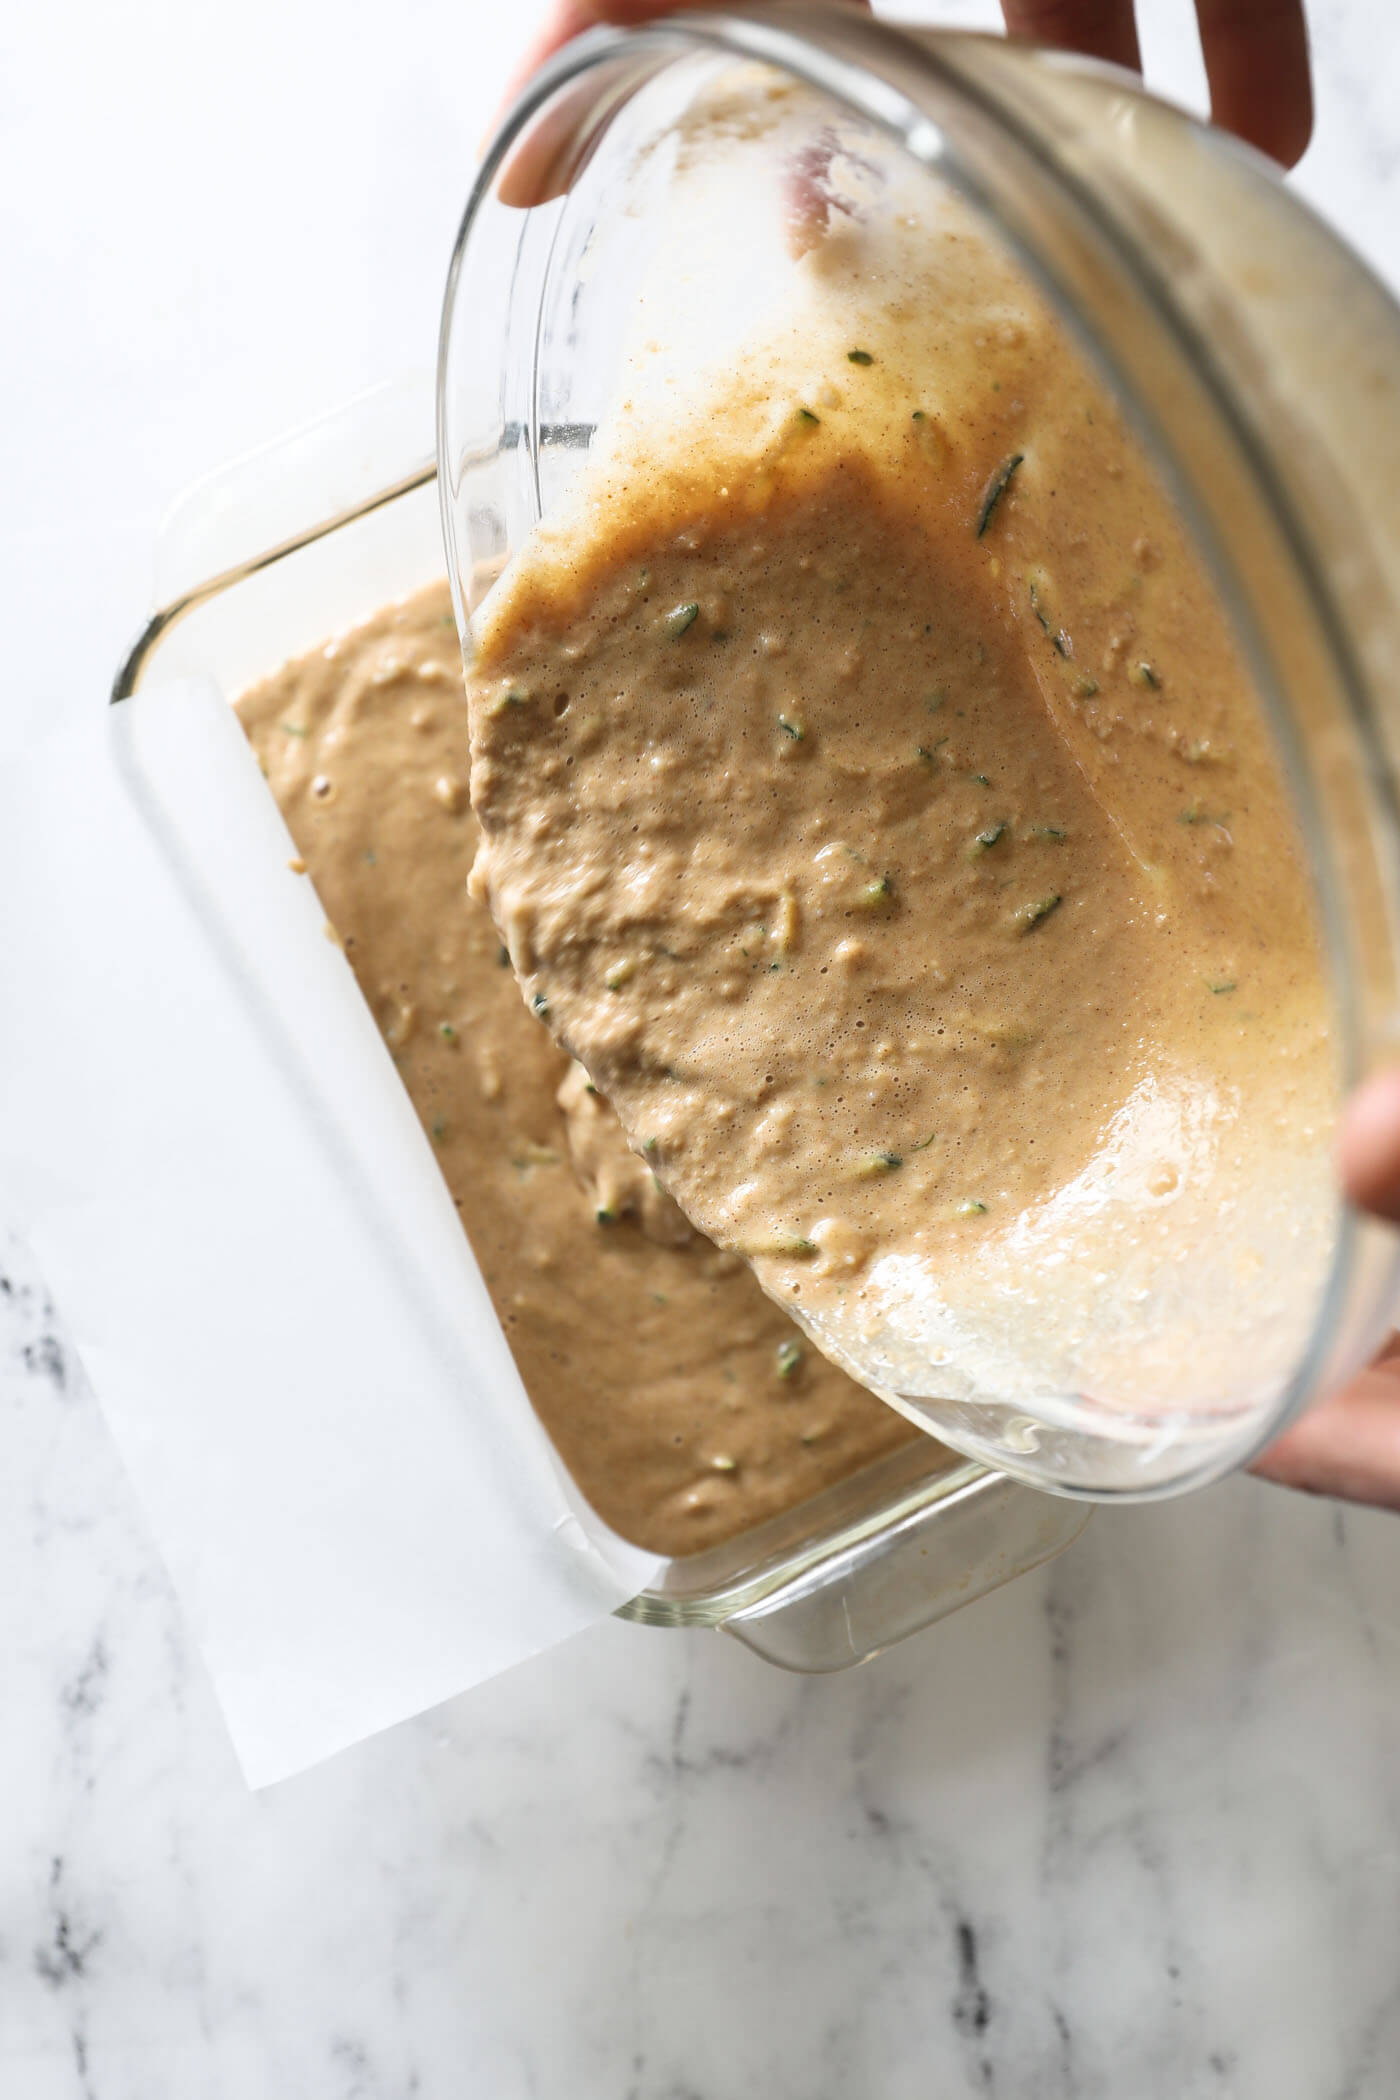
[1129,1828]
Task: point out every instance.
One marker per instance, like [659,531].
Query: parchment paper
[205,1141]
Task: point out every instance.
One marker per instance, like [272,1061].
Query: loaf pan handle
[878,1590]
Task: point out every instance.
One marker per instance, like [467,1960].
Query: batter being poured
[874,801]
[685,1405]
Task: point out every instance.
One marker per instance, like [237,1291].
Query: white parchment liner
[206,1143]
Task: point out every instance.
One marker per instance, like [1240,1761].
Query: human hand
[1350,1445]
[1256,52]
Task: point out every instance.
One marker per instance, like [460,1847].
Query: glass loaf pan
[294,544]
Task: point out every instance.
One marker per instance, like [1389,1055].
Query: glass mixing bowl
[1258,361]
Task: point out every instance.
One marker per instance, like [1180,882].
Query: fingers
[1099,28]
[1350,1446]
[569,18]
[1368,1146]
[566,20]
[1256,54]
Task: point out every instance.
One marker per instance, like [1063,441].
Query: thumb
[569,18]
[1368,1146]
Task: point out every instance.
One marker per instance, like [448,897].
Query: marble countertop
[1129,1827]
